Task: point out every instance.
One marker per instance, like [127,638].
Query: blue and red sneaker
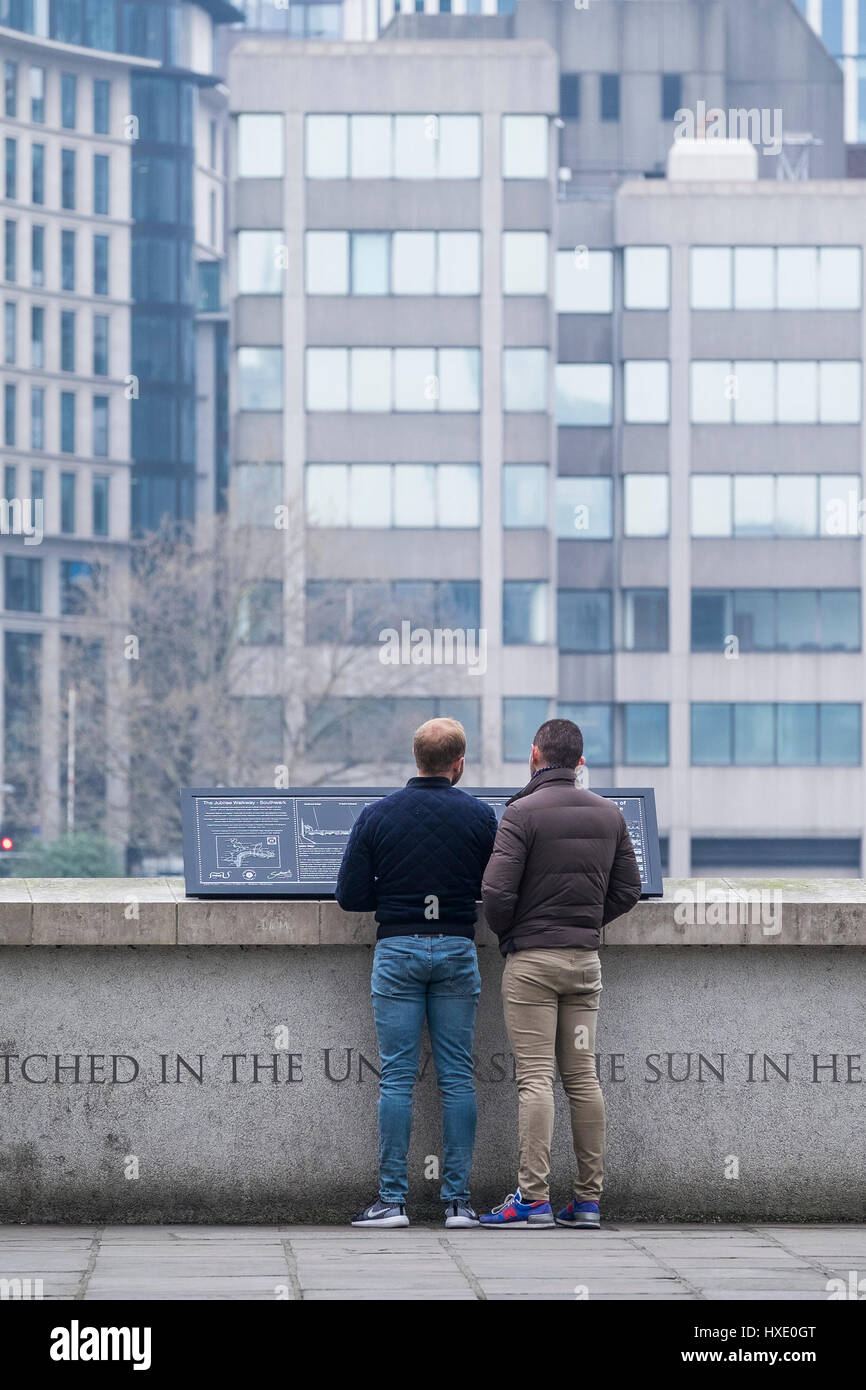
[580,1216]
[514,1212]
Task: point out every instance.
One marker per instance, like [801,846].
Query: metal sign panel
[257,842]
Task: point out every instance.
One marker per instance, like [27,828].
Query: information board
[257,842]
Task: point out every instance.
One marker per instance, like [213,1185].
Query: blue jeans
[434,977]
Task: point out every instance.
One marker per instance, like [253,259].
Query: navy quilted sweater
[416,858]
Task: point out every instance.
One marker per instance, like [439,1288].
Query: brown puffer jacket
[562,866]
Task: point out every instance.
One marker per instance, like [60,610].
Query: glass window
[458,495]
[596,724]
[100,498]
[797,392]
[645,731]
[37,95]
[369,484]
[370,147]
[414,378]
[754,277]
[712,388]
[647,392]
[569,96]
[37,426]
[370,256]
[839,504]
[100,184]
[796,277]
[524,262]
[754,622]
[711,496]
[327,262]
[584,393]
[68,100]
[672,95]
[12,168]
[9,414]
[459,378]
[712,734]
[370,379]
[10,87]
[711,275]
[100,427]
[524,495]
[796,505]
[584,508]
[584,620]
[414,495]
[101,105]
[327,494]
[37,256]
[840,275]
[754,734]
[524,612]
[754,388]
[413,267]
[797,617]
[22,584]
[839,620]
[10,332]
[258,262]
[609,96]
[260,145]
[67,503]
[584,281]
[459,147]
[522,717]
[839,735]
[327,379]
[10,251]
[796,735]
[645,620]
[257,492]
[647,277]
[260,378]
[37,175]
[67,260]
[645,504]
[415,140]
[67,422]
[67,340]
[36,337]
[100,264]
[67,179]
[524,147]
[209,281]
[524,386]
[754,504]
[459,262]
[260,614]
[839,393]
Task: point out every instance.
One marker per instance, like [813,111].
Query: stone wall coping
[156,912]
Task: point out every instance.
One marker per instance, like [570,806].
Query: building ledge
[155,912]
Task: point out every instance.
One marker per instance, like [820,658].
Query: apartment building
[612,417]
[113,133]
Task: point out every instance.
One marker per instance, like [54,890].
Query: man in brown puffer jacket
[562,867]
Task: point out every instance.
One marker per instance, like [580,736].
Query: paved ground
[424,1262]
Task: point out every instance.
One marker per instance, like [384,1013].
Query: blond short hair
[437,745]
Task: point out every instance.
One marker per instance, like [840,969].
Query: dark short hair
[560,743]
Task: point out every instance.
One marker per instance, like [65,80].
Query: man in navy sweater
[416,858]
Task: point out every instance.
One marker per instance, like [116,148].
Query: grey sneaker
[382,1214]
[461,1213]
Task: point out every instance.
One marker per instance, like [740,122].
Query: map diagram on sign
[326,823]
[237,850]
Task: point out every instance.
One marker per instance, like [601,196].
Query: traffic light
[7,843]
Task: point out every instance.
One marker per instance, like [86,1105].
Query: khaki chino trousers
[551,999]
